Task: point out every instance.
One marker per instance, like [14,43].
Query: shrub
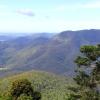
[22,89]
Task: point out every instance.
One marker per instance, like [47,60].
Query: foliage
[21,86]
[51,86]
[88,73]
[24,97]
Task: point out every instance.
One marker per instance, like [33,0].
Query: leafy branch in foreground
[87,74]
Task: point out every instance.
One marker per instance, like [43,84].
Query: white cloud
[27,12]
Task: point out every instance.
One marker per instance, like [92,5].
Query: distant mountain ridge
[49,53]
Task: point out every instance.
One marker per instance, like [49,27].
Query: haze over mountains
[52,53]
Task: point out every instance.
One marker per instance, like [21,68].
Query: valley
[55,53]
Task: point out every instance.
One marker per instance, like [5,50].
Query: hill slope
[54,54]
[52,87]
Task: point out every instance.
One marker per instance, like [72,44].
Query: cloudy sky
[48,15]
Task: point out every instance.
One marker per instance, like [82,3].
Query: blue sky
[48,15]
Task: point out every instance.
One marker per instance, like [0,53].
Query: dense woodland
[34,85]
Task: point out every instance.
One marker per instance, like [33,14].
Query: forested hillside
[44,52]
[51,87]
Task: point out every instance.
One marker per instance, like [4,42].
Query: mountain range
[51,53]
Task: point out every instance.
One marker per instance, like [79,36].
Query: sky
[32,16]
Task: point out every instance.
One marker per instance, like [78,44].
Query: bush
[21,89]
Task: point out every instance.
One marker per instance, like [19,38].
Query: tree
[88,72]
[22,88]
